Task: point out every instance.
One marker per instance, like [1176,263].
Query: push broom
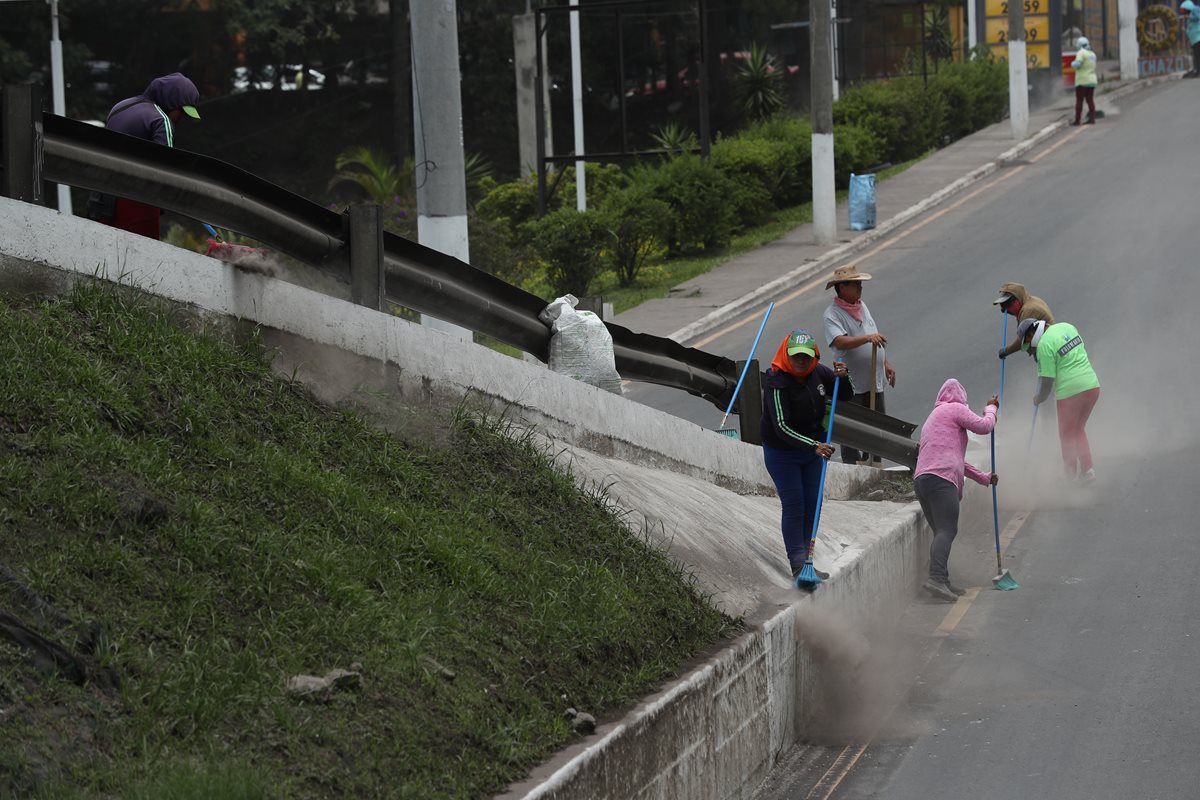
[807,578]
[732,433]
[1004,580]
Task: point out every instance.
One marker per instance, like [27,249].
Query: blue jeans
[797,476]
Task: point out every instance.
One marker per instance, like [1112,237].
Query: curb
[748,301]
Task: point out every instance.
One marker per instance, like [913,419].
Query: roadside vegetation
[182,533]
[654,224]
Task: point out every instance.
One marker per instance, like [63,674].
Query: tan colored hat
[847,273]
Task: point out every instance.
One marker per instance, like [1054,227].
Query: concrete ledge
[339,348]
[717,731]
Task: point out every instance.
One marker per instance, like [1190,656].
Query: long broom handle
[746,367]
[824,465]
[1000,399]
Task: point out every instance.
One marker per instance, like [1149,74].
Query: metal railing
[81,155]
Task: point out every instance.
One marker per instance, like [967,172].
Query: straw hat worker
[851,331]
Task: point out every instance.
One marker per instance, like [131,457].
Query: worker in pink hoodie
[938,478]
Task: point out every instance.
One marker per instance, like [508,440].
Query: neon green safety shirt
[1062,356]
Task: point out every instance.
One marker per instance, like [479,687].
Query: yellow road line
[850,754]
[844,762]
[890,242]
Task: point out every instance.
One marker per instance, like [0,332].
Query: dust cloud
[1147,386]
[862,679]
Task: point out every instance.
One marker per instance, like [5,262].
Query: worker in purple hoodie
[150,115]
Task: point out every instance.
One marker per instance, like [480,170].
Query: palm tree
[758,85]
[374,174]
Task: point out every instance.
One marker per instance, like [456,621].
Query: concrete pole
[438,137]
[60,95]
[401,82]
[1018,72]
[525,64]
[972,34]
[834,49]
[820,32]
[577,105]
[1127,43]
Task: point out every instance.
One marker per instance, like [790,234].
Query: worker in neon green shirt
[1085,80]
[1063,364]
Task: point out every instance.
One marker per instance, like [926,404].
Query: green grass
[657,280]
[228,532]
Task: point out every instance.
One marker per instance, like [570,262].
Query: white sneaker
[1088,478]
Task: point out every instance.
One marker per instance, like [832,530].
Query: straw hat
[847,273]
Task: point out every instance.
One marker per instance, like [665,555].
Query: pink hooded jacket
[944,437]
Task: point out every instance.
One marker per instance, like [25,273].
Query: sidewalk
[739,285]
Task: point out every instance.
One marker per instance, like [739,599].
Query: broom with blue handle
[732,432]
[807,578]
[1004,579]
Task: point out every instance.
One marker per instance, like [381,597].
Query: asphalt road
[1082,683]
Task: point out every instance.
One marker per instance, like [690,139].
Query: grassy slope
[229,532]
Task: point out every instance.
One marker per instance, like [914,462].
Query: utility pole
[1018,71]
[820,33]
[438,137]
[401,82]
[577,106]
[972,22]
[1127,43]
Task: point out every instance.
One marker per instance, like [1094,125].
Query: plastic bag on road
[580,345]
[862,202]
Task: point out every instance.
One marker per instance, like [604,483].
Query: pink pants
[1073,413]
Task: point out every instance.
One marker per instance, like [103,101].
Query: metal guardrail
[81,155]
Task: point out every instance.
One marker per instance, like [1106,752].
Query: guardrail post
[366,256]
[749,404]
[21,142]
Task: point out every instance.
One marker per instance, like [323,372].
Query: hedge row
[685,204]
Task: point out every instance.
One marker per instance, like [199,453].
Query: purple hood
[145,116]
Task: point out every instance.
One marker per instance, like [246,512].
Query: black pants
[939,502]
[849,455]
[1196,58]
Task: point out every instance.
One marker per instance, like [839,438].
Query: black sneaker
[939,590]
[955,589]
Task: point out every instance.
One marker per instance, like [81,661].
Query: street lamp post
[58,91]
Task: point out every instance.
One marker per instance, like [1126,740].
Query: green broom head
[1005,582]
[807,578]
[732,433]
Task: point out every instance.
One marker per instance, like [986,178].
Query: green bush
[794,133]
[634,222]
[509,205]
[698,194]
[898,112]
[513,204]
[770,164]
[494,250]
[854,150]
[975,95]
[570,243]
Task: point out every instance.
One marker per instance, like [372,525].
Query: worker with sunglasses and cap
[796,392]
[1015,301]
[1063,365]
[850,329]
[152,116]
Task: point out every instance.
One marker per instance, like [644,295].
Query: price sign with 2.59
[1036,30]
[999,8]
